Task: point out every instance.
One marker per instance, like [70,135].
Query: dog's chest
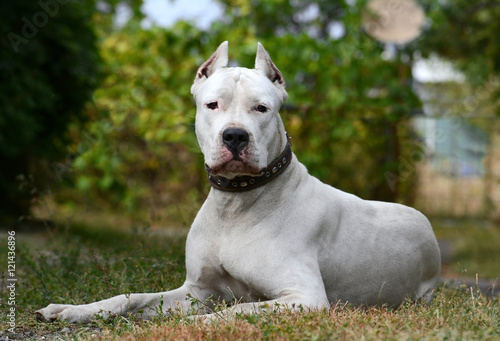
[247,262]
[243,276]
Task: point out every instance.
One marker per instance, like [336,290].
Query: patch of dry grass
[454,314]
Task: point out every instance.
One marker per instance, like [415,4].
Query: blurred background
[392,100]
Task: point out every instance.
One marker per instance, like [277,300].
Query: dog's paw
[59,312]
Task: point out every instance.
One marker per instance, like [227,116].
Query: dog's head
[237,121]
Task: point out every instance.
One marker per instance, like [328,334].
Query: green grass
[81,264]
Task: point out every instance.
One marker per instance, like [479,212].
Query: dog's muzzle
[246,183]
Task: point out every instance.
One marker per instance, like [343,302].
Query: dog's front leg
[142,305]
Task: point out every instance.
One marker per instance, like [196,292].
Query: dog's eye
[261,108]
[212,105]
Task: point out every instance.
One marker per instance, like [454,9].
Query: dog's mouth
[232,163]
[233,168]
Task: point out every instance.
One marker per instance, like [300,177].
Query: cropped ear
[265,65]
[218,60]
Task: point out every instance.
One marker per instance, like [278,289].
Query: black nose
[235,139]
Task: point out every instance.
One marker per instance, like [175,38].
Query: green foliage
[50,65]
[141,152]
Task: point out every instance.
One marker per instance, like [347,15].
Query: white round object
[393,21]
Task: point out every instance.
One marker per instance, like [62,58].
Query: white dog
[269,234]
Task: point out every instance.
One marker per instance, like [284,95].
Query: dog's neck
[250,205]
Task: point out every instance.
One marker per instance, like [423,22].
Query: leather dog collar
[246,183]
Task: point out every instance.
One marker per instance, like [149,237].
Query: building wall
[460,174]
